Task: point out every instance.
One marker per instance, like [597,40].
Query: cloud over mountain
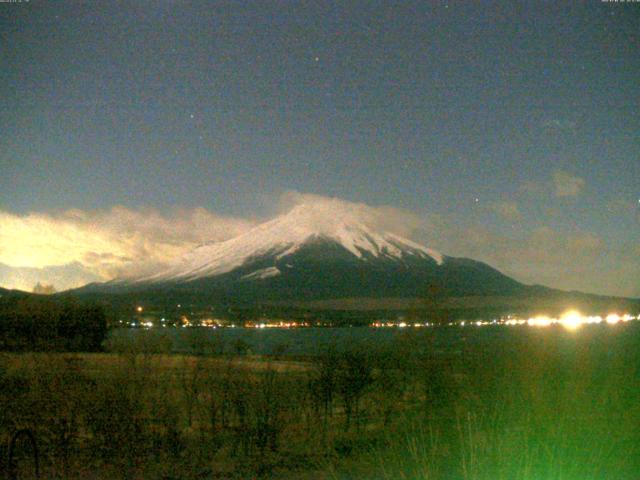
[70,248]
[93,245]
[380,217]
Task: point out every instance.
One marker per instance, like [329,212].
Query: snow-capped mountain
[333,257]
[347,225]
[320,249]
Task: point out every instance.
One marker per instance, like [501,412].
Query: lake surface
[312,341]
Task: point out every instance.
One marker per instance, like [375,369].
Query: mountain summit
[346,225]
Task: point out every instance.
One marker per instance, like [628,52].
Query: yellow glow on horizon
[613,318]
[572,319]
[35,241]
[86,246]
[539,321]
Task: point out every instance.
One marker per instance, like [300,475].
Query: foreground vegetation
[536,404]
[39,323]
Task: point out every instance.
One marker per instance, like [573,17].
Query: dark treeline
[36,323]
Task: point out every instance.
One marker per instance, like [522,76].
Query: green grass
[556,405]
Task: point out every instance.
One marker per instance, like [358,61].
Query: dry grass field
[548,404]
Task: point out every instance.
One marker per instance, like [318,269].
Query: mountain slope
[318,251]
[342,223]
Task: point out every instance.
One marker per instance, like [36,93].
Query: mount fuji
[319,250]
[340,260]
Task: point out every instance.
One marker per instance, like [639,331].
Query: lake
[312,341]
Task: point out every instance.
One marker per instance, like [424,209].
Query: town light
[572,319]
[613,318]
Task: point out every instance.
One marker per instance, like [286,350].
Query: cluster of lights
[209,322]
[571,320]
[278,325]
[381,324]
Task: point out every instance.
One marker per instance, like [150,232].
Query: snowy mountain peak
[353,226]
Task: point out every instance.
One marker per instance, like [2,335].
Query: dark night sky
[513,129]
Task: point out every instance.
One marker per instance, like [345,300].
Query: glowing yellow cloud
[38,241]
[108,243]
